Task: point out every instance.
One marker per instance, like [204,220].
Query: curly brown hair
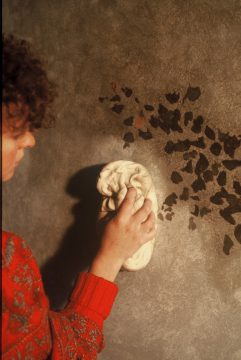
[25,84]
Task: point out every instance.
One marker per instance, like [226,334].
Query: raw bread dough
[113,182]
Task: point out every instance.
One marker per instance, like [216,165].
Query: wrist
[106,267]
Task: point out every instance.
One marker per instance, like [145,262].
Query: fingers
[128,203]
[142,214]
[149,224]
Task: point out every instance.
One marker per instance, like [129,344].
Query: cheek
[9,150]
[9,154]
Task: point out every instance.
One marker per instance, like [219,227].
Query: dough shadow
[80,243]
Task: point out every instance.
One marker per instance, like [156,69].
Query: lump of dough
[113,183]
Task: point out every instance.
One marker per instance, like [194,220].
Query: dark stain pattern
[217,198]
[197,125]
[227,244]
[237,233]
[117,108]
[222,178]
[190,155]
[169,208]
[128,138]
[198,184]
[127,91]
[171,199]
[195,197]
[192,93]
[155,122]
[215,168]
[173,97]
[169,216]
[204,169]
[183,145]
[149,107]
[204,211]
[176,177]
[231,164]
[207,176]
[216,148]
[146,135]
[185,194]
[202,164]
[230,143]
[169,119]
[103,98]
[210,133]
[237,187]
[188,168]
[160,216]
[192,225]
[129,121]
[188,116]
[196,211]
[234,206]
[115,98]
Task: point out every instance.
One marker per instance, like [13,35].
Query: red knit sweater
[30,330]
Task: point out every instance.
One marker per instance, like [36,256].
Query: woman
[30,329]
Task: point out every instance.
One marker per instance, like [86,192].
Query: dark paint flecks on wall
[201,164]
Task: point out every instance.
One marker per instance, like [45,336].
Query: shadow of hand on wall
[80,243]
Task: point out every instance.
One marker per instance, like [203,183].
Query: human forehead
[15,109]
[14,117]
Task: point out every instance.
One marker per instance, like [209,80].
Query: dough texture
[113,182]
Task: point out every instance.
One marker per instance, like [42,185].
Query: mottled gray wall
[186,305]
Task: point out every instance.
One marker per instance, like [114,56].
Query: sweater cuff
[93,293]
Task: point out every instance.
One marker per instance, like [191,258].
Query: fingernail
[132,189]
[148,201]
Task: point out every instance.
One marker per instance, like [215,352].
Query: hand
[123,236]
